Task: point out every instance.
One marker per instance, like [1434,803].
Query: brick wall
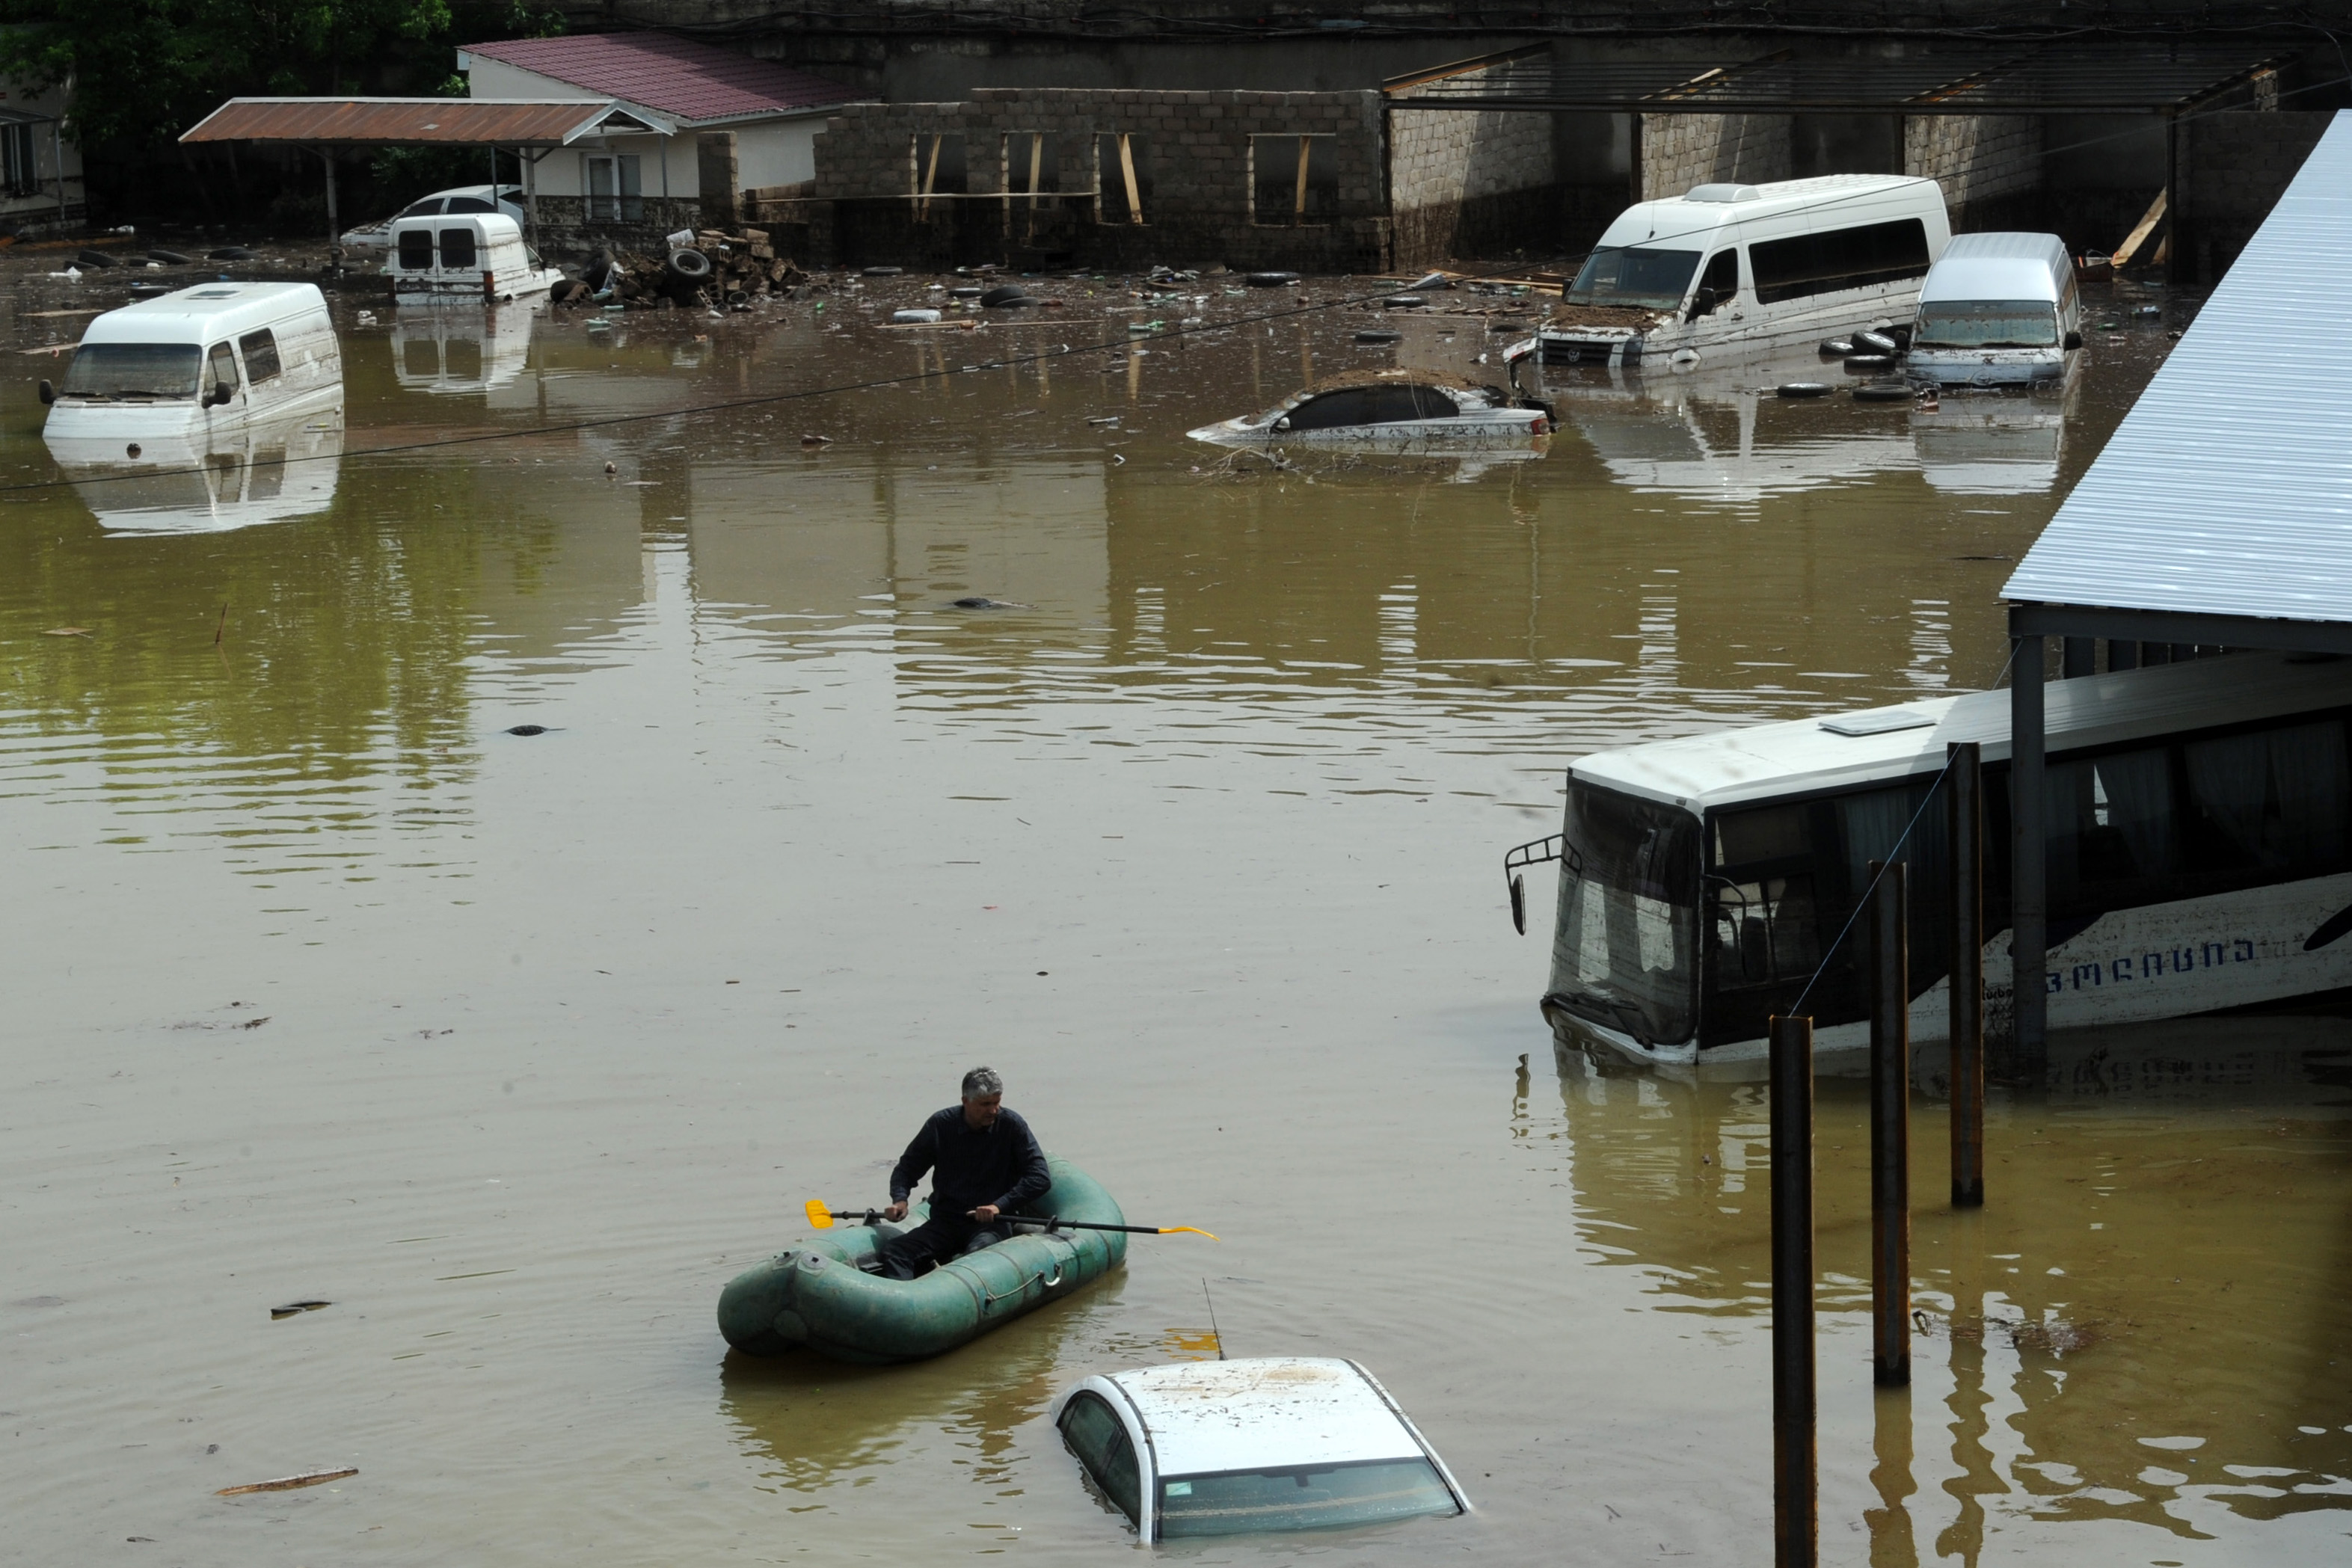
[2233,168]
[1465,183]
[1197,150]
[1989,165]
[1679,150]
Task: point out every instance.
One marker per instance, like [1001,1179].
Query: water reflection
[454,348]
[267,470]
[2176,1203]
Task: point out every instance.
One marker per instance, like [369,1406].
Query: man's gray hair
[983,1081]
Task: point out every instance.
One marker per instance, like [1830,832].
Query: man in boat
[982,1159]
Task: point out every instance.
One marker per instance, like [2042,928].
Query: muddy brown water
[514,1049]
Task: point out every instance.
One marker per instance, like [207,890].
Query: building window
[938,168]
[1294,180]
[615,195]
[1122,177]
[17,175]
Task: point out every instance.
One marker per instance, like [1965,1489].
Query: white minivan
[1749,268]
[193,367]
[471,255]
[1998,310]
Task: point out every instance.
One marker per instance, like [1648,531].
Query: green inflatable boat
[816,1294]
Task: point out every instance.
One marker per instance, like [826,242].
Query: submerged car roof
[1263,1412]
[205,312]
[1769,760]
[2000,266]
[1823,201]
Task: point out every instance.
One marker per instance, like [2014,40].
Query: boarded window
[1858,258]
[1122,179]
[260,351]
[1294,179]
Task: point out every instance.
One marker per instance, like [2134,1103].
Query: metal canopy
[2074,79]
[2221,510]
[416,121]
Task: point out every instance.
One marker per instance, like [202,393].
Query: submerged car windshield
[1301,1497]
[1625,952]
[1987,324]
[133,370]
[1632,275]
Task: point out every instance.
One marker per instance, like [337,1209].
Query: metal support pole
[1890,1128]
[1963,797]
[1796,1524]
[2029,946]
[327,155]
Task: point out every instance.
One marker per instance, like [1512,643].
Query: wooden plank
[1299,203]
[1127,171]
[931,175]
[2138,236]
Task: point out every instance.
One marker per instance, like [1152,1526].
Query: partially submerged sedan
[1268,1443]
[1388,411]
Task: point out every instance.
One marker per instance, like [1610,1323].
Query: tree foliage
[142,71]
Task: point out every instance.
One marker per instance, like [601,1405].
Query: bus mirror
[48,392]
[1519,905]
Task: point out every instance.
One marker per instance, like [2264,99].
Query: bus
[2198,839]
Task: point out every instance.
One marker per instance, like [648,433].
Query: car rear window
[1301,1497]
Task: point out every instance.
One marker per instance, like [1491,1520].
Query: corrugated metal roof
[2228,489]
[696,82]
[398,122]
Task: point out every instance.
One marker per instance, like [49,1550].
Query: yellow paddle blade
[1173,1229]
[818,1215]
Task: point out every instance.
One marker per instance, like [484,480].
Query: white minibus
[1996,309]
[191,367]
[2199,843]
[1749,267]
[471,255]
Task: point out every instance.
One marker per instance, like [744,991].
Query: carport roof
[412,122]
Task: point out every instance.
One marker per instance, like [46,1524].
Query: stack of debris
[719,269]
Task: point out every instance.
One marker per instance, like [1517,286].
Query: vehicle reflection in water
[2175,1203]
[268,471]
[1724,435]
[457,347]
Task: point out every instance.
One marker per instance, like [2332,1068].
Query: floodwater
[324,986]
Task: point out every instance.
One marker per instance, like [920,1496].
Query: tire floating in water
[1380,335]
[1837,348]
[1869,364]
[1005,295]
[884,271]
[527,729]
[1803,389]
[1883,391]
[1874,343]
[1271,279]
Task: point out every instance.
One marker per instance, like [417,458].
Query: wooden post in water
[1890,1129]
[1963,797]
[1796,1526]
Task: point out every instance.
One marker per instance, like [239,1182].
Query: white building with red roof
[712,116]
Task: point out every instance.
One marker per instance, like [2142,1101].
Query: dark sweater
[998,1163]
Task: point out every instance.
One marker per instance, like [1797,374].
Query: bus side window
[2272,799]
[260,349]
[1764,931]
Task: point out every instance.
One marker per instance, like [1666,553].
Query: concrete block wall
[1470,184]
[1989,165]
[563,229]
[1679,150]
[1197,149]
[2233,168]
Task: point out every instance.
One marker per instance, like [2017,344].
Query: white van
[1750,268]
[194,366]
[474,255]
[1996,309]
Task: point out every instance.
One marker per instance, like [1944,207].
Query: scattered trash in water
[1404,302]
[289,1483]
[884,271]
[527,729]
[921,316]
[1103,419]
[810,438]
[66,632]
[611,469]
[982,602]
[1380,335]
[295,1309]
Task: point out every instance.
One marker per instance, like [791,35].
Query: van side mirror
[49,393]
[219,394]
[2074,340]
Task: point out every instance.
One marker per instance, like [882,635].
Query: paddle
[822,1218]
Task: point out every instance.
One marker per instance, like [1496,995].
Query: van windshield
[133,370]
[1625,952]
[1301,1497]
[1636,276]
[1987,324]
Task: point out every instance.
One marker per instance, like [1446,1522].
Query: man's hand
[986,1213]
[896,1212]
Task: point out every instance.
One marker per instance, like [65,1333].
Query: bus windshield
[1634,275]
[1987,324]
[1625,952]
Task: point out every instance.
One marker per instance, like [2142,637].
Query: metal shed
[2219,514]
